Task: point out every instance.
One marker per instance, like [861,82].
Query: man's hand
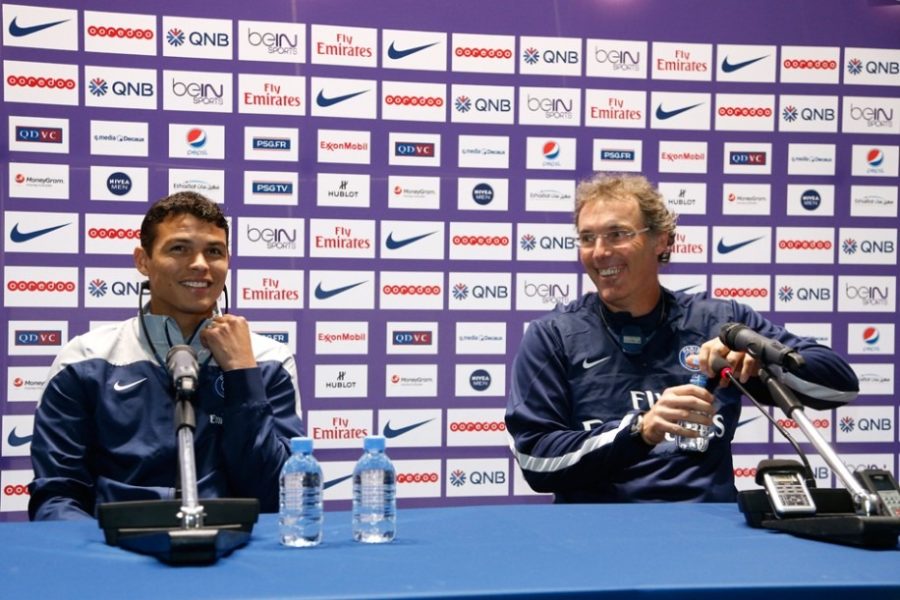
[680,403]
[228,338]
[742,364]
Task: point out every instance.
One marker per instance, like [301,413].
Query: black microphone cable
[725,371]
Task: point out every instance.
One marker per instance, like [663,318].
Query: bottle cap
[373,443]
[301,445]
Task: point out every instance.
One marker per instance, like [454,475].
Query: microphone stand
[181,532]
[853,518]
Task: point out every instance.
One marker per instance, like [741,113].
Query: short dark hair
[180,203]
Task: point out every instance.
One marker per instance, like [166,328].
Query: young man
[104,429]
[600,385]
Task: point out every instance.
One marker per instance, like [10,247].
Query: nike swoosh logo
[15,439]
[324,102]
[16,31]
[728,67]
[123,387]
[587,364]
[323,294]
[724,248]
[662,115]
[395,54]
[393,244]
[20,236]
[745,421]
[334,482]
[685,290]
[389,432]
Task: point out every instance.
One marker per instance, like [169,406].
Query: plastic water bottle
[701,443]
[374,494]
[300,510]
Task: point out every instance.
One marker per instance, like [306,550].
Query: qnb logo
[414,149]
[744,111]
[528,242]
[480,240]
[417,477]
[873,67]
[805,245]
[202,38]
[411,290]
[15,285]
[789,113]
[97,288]
[57,83]
[201,93]
[747,158]
[740,292]
[463,104]
[807,65]
[397,100]
[471,426]
[745,472]
[98,86]
[785,293]
[15,490]
[466,52]
[458,477]
[113,233]
[460,291]
[126,33]
[35,337]
[850,246]
[175,37]
[847,424]
[817,423]
[531,56]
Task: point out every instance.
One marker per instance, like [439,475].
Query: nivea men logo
[480,380]
[414,149]
[267,143]
[810,199]
[118,183]
[482,194]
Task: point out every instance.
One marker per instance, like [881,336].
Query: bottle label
[292,488]
[372,488]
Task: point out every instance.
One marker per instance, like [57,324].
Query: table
[538,551]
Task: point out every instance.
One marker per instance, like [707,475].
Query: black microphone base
[835,521]
[153,527]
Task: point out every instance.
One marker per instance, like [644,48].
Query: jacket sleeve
[554,453]
[63,487]
[262,408]
[825,381]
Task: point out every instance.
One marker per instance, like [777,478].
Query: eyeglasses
[615,238]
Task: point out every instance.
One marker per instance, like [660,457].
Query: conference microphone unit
[741,338]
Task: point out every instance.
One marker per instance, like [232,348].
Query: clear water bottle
[701,443]
[300,509]
[374,494]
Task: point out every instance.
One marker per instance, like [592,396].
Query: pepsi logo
[875,157]
[196,138]
[871,336]
[551,150]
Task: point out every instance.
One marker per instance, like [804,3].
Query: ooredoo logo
[127,33]
[112,233]
[477,52]
[41,82]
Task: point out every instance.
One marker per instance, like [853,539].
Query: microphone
[181,361]
[769,352]
[720,367]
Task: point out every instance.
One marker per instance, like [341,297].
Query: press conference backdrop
[399,178]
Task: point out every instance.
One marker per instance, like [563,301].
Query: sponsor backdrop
[400,178]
